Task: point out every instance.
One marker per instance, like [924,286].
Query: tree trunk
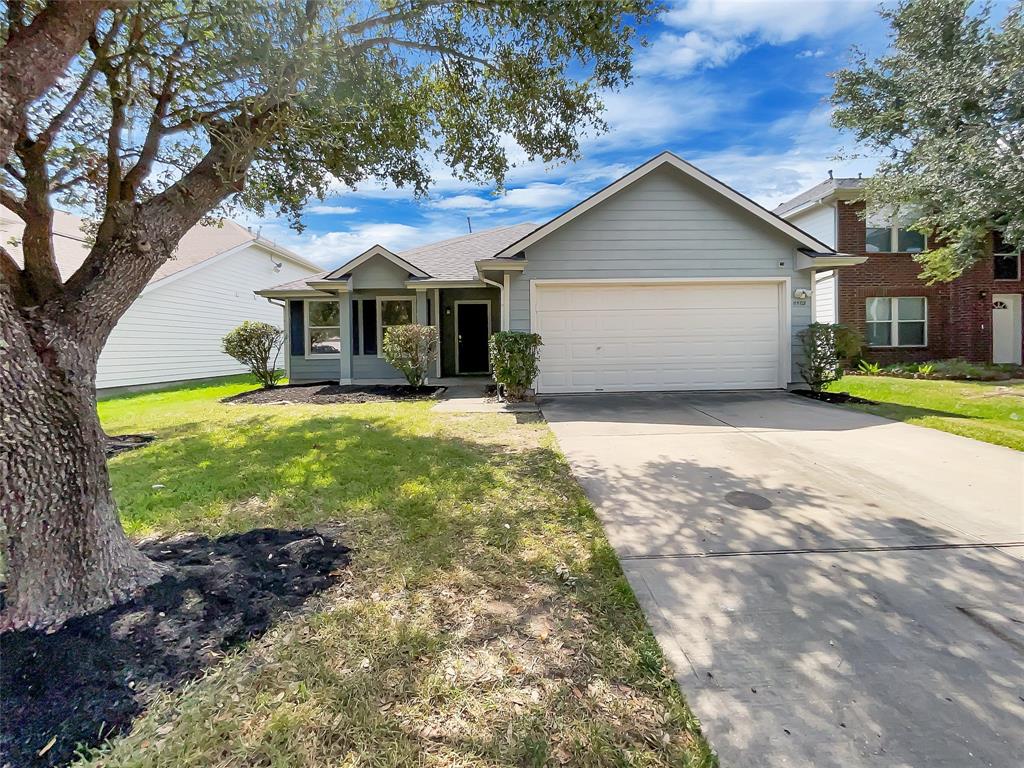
[66,552]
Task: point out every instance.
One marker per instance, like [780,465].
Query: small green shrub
[514,361]
[925,369]
[826,346]
[257,346]
[412,349]
[871,369]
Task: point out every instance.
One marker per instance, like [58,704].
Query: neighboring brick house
[977,316]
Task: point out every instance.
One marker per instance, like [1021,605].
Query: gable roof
[671,160]
[369,253]
[451,260]
[825,189]
[201,243]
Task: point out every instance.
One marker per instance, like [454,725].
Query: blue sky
[738,87]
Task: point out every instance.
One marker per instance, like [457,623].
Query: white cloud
[675,55]
[771,21]
[328,210]
[816,53]
[332,249]
[462,203]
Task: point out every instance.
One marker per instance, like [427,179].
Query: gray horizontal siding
[663,226]
[373,367]
[314,369]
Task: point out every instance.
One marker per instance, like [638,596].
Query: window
[897,322]
[886,233]
[364,326]
[1005,259]
[323,329]
[392,310]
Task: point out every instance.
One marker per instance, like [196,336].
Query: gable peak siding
[664,225]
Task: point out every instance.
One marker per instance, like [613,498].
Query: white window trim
[306,328]
[1019,254]
[380,325]
[459,303]
[894,321]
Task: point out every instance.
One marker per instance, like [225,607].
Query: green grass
[484,620]
[991,411]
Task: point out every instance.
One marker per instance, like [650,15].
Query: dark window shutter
[369,327]
[297,329]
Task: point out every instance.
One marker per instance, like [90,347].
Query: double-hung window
[392,310]
[888,233]
[323,328]
[1005,259]
[897,321]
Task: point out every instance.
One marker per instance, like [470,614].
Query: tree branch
[34,57]
[13,203]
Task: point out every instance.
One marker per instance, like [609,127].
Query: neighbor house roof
[201,243]
[821,191]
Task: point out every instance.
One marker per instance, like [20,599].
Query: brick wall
[959,313]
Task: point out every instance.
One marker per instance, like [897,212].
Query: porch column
[421,306]
[436,322]
[506,302]
[345,332]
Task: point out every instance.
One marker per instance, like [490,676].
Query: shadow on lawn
[504,629]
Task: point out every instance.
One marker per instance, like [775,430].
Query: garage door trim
[783,284]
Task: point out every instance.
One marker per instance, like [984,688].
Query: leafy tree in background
[945,107]
[175,109]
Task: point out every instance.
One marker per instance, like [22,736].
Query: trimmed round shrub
[514,361]
[412,349]
[256,345]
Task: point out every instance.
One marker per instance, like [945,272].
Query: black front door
[471,329]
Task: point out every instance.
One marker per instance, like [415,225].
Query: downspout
[501,297]
[287,336]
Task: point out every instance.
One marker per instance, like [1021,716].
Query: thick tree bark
[67,554]
[66,551]
[35,56]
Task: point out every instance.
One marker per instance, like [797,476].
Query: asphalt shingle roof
[818,191]
[451,259]
[454,259]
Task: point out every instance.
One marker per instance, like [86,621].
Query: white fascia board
[676,162]
[430,282]
[284,253]
[827,261]
[293,294]
[500,265]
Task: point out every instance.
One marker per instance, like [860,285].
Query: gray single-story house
[666,279]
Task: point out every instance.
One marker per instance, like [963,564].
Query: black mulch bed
[89,680]
[833,397]
[120,443]
[326,394]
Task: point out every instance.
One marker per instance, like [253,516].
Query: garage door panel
[674,336]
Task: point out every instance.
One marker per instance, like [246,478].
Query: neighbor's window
[323,328]
[1005,259]
[392,310]
[897,321]
[888,233]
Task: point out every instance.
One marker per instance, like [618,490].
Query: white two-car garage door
[604,337]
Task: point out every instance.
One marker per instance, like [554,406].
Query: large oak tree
[944,107]
[176,108]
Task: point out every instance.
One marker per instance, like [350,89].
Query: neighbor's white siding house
[820,222]
[173,330]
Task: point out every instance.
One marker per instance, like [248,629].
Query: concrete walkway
[832,588]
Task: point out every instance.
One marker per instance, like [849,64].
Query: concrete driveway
[831,588]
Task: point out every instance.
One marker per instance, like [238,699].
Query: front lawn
[992,411]
[485,620]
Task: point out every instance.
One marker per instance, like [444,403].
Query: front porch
[340,338]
